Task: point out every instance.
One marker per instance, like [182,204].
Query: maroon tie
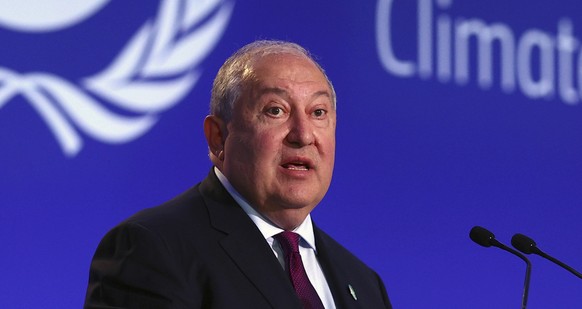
[289,241]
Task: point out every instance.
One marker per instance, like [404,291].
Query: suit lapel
[334,271]
[246,246]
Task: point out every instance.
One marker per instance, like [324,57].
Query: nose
[300,131]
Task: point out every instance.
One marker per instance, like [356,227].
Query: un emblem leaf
[153,72]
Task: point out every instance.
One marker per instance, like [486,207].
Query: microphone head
[524,244]
[482,236]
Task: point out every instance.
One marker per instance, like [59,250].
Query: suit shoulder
[186,209]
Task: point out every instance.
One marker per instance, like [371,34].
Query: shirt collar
[268,228]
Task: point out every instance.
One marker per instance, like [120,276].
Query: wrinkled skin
[278,149]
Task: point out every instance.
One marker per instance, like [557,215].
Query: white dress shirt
[307,247]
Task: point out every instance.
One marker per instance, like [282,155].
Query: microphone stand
[527,269]
[485,238]
[528,246]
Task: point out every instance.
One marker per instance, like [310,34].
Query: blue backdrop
[450,114]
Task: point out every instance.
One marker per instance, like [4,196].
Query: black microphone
[485,238]
[528,246]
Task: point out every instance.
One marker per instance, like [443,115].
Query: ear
[215,132]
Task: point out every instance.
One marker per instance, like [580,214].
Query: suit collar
[335,272]
[266,226]
[245,245]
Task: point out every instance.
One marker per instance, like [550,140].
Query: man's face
[280,146]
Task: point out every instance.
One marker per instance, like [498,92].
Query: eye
[274,111]
[319,113]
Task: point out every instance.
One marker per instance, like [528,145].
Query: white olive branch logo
[153,72]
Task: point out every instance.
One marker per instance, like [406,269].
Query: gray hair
[237,70]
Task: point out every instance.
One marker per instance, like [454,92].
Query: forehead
[287,69]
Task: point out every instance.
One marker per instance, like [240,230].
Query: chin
[300,202]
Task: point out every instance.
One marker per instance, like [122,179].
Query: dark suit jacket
[201,250]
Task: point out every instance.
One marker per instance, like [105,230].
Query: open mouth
[297,163]
[297,166]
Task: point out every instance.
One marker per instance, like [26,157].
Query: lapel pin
[352,292]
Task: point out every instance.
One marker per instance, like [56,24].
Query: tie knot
[289,241]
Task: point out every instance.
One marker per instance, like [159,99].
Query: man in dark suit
[243,237]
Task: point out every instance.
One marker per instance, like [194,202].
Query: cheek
[328,153]
[327,142]
[260,147]
[270,139]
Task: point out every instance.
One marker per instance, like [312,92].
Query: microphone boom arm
[528,246]
[485,238]
[527,269]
